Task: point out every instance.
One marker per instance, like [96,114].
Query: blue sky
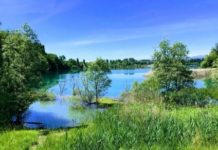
[115,28]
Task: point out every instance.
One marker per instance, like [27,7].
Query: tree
[82,87]
[52,62]
[210,60]
[1,42]
[35,50]
[95,80]
[28,32]
[13,72]
[170,67]
[22,64]
[97,75]
[84,64]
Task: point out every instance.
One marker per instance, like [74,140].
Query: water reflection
[65,112]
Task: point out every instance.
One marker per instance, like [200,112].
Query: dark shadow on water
[46,120]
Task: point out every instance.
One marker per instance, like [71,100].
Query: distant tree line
[194,62]
[60,64]
[131,63]
[128,63]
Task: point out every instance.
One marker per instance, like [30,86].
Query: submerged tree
[95,81]
[171,68]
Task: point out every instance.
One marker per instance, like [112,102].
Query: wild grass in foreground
[17,139]
[140,126]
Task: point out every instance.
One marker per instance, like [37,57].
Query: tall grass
[17,139]
[140,126]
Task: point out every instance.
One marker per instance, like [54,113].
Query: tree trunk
[96,96]
[96,92]
[18,119]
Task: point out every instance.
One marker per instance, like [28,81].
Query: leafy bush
[212,80]
[171,67]
[146,91]
[191,96]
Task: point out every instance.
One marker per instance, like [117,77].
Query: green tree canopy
[170,67]
[210,60]
[22,63]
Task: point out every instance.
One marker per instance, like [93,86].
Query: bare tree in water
[62,85]
[75,82]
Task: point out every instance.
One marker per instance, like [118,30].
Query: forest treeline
[131,63]
[128,63]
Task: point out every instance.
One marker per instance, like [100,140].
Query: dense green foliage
[149,91]
[146,91]
[172,81]
[211,59]
[60,64]
[171,68]
[23,61]
[192,96]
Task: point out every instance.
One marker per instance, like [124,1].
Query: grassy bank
[196,73]
[144,127]
[18,139]
[131,126]
[202,72]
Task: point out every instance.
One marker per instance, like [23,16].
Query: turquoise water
[63,112]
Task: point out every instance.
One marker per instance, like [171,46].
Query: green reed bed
[141,126]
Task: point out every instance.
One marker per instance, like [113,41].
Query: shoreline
[199,73]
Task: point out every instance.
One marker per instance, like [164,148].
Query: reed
[140,126]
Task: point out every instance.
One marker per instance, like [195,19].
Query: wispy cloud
[57,8]
[162,31]
[41,9]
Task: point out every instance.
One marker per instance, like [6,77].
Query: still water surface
[62,112]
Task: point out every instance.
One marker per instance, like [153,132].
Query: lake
[64,111]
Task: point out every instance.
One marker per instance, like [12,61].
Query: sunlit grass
[139,126]
[18,139]
[128,126]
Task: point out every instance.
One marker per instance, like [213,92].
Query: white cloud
[116,35]
[42,9]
